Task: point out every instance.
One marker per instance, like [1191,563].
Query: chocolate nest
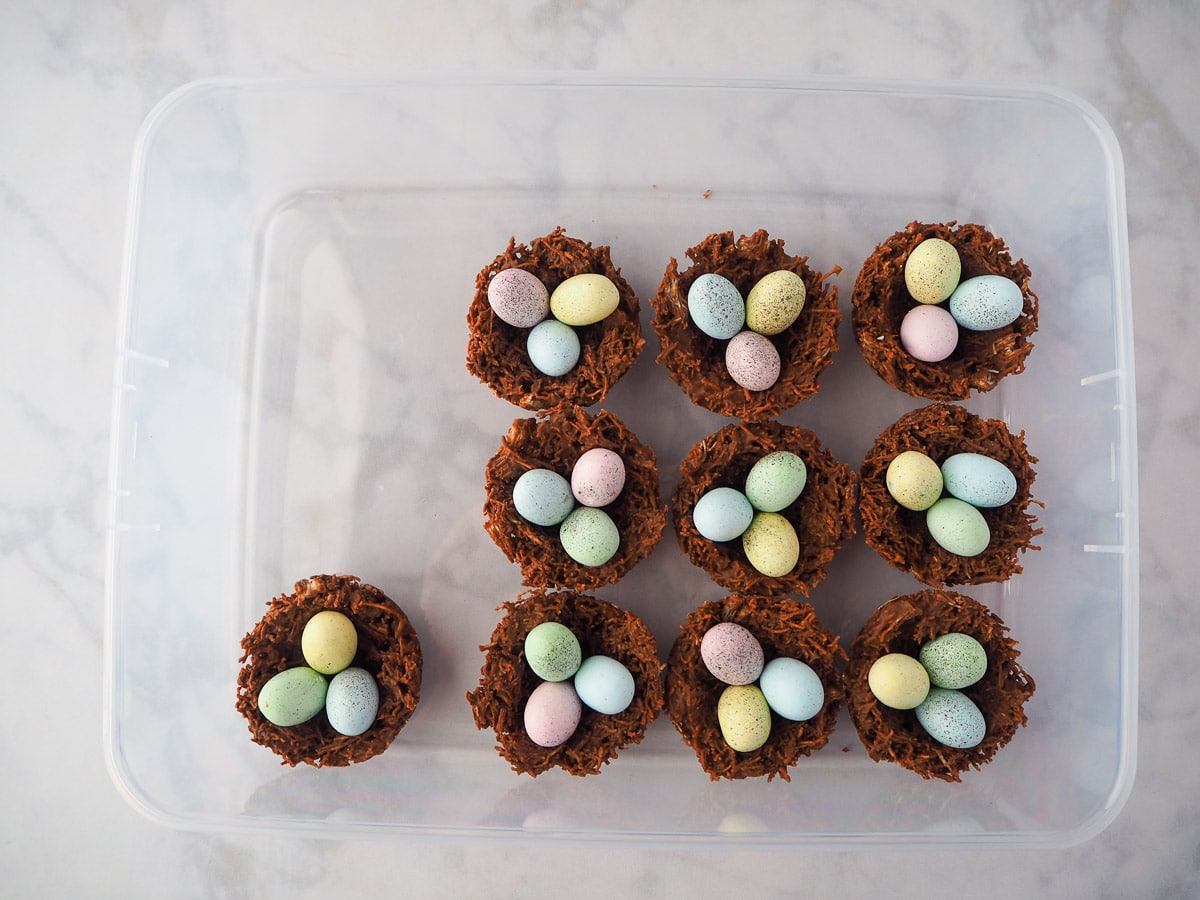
[387,648]
[555,441]
[823,516]
[506,682]
[496,352]
[981,358]
[901,536]
[902,625]
[697,362]
[784,627]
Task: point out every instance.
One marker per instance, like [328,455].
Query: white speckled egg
[589,536]
[292,696]
[518,297]
[792,689]
[914,480]
[771,544]
[898,680]
[732,653]
[605,685]
[979,480]
[932,270]
[952,718]
[752,361]
[774,302]
[722,514]
[776,481]
[954,660]
[352,701]
[552,713]
[986,302]
[553,347]
[716,306]
[552,651]
[543,497]
[329,641]
[958,527]
[584,299]
[744,717]
[598,477]
[928,333]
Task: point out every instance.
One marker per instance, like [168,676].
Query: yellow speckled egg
[584,299]
[329,642]
[914,480]
[774,302]
[744,717]
[932,270]
[899,681]
[771,544]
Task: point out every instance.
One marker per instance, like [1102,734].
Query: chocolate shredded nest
[823,516]
[555,441]
[901,536]
[697,362]
[387,648]
[902,625]
[784,627]
[496,353]
[506,682]
[981,358]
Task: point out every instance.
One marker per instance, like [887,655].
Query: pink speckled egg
[731,653]
[929,333]
[518,297]
[552,713]
[752,361]
[598,477]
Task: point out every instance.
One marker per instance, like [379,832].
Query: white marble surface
[78,79]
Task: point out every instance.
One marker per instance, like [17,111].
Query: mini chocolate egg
[518,297]
[293,696]
[552,651]
[543,497]
[898,680]
[584,299]
[979,480]
[986,302]
[914,480]
[958,527]
[329,641]
[771,544]
[744,717]
[752,361]
[954,660]
[598,477]
[792,689]
[732,653]
[716,306]
[722,514]
[552,713]
[776,481]
[932,270]
[605,685]
[589,536]
[952,718]
[352,701]
[928,333]
[774,302]
[553,347]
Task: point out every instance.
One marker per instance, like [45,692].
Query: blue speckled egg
[792,689]
[952,718]
[543,497]
[553,347]
[986,302]
[722,514]
[352,701]
[978,479]
[605,685]
[716,306]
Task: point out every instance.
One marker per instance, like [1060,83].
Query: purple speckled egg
[598,477]
[552,713]
[518,297]
[929,333]
[731,653]
[752,361]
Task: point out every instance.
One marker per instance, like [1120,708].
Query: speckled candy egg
[584,299]
[352,701]
[928,333]
[552,713]
[722,514]
[979,480]
[598,477]
[792,689]
[744,717]
[898,680]
[292,696]
[589,536]
[952,718]
[552,651]
[986,302]
[543,497]
[716,306]
[954,660]
[932,270]
[553,347]
[958,527]
[752,361]
[732,653]
[329,641]
[914,480]
[605,685]
[518,297]
[776,481]
[771,544]
[774,302]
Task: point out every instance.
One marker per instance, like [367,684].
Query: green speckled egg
[293,696]
[552,651]
[744,717]
[958,527]
[932,270]
[954,660]
[776,481]
[589,536]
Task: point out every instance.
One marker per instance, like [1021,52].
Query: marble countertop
[78,81]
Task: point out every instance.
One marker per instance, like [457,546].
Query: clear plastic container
[291,399]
